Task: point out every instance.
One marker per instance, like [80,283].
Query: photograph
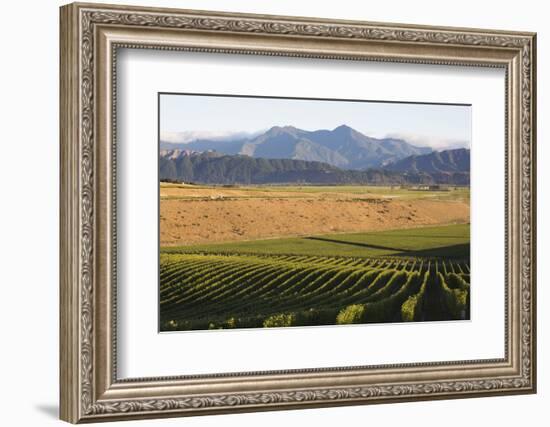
[277,212]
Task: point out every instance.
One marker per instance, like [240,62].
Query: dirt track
[201,217]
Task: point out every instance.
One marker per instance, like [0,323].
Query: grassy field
[441,241]
[453,193]
[181,191]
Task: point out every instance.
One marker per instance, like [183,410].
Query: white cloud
[430,141]
[189,136]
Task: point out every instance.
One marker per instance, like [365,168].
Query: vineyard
[239,290]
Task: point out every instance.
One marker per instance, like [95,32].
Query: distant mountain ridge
[343,147]
[447,161]
[218,168]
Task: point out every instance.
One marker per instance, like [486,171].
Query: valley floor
[192,215]
[248,257]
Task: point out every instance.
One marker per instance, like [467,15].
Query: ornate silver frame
[90,35]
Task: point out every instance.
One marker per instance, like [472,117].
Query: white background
[141,348]
[29,228]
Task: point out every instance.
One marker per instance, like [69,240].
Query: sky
[186,117]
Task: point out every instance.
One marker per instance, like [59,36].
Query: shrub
[231,323]
[315,316]
[408,309]
[351,314]
[280,320]
[455,281]
[456,299]
[175,325]
[248,322]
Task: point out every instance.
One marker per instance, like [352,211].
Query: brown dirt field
[209,218]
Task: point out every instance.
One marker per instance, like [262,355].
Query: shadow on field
[363,245]
[452,251]
[423,236]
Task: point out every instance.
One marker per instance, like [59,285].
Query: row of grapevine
[384,309]
[204,291]
[411,310]
[456,298]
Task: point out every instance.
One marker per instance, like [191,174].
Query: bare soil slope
[206,215]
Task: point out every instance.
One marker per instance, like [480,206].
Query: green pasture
[449,241]
[452,193]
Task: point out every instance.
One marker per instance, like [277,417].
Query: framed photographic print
[266,212]
[263,225]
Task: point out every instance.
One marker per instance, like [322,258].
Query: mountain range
[343,147]
[211,167]
[448,161]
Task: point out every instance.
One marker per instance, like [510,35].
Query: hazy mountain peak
[347,132]
[341,147]
[343,128]
[278,130]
